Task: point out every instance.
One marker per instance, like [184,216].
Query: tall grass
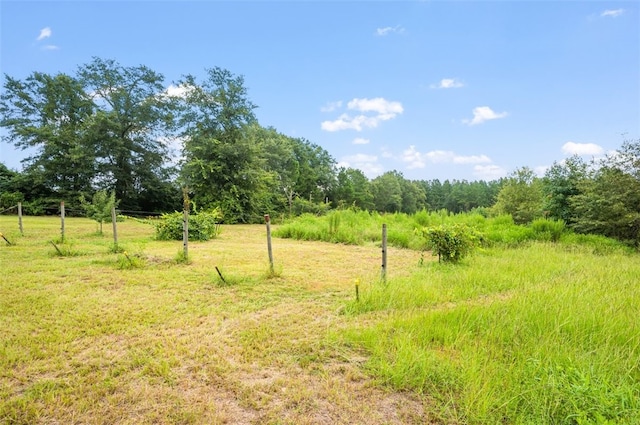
[538,335]
[360,227]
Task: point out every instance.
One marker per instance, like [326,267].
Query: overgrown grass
[532,335]
[361,227]
[546,333]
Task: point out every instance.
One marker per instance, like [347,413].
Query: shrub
[450,242]
[202,226]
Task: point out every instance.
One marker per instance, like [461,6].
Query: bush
[202,226]
[451,242]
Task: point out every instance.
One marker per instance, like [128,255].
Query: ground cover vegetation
[523,330]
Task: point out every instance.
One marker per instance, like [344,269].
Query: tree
[352,189]
[99,209]
[413,197]
[316,176]
[280,168]
[520,196]
[221,163]
[561,183]
[628,158]
[609,204]
[134,119]
[387,192]
[49,113]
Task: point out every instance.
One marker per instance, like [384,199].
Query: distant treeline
[116,128]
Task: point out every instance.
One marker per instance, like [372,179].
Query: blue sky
[467,90]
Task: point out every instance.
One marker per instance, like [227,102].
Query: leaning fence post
[384,252]
[268,221]
[115,228]
[20,218]
[62,220]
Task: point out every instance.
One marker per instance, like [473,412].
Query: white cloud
[389,30]
[612,13]
[44,33]
[346,122]
[489,172]
[368,164]
[572,148]
[416,159]
[361,141]
[540,170]
[50,47]
[482,114]
[473,159]
[448,83]
[178,91]
[331,106]
[378,104]
[384,110]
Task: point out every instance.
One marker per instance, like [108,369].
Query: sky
[448,90]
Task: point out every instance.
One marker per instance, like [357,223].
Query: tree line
[111,127]
[115,128]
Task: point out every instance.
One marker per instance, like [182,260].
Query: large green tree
[387,191]
[134,121]
[49,114]
[352,189]
[609,204]
[316,171]
[560,183]
[222,165]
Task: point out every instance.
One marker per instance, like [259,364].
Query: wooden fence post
[20,218]
[114,218]
[267,219]
[62,220]
[185,233]
[384,252]
[186,206]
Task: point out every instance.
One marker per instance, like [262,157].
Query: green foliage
[609,204]
[203,225]
[99,209]
[546,229]
[10,199]
[303,206]
[451,243]
[387,192]
[559,185]
[521,197]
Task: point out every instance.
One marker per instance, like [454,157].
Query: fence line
[8,209]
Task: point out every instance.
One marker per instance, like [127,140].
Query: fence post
[384,252]
[267,219]
[20,218]
[186,205]
[62,220]
[185,233]
[115,228]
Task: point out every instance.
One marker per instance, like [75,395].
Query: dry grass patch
[86,342]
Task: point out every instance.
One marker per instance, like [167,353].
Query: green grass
[532,335]
[404,231]
[544,334]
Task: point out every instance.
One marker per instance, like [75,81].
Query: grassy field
[546,333]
